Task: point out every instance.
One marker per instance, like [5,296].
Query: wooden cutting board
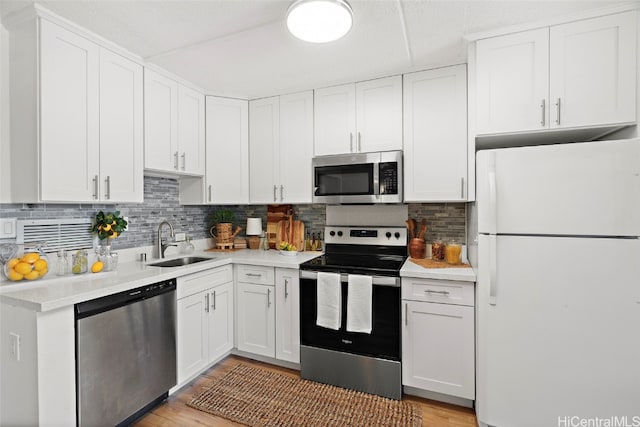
[275,214]
[282,234]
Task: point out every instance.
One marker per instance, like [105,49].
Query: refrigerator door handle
[493,269]
[493,206]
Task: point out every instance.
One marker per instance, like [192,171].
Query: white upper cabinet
[293,172]
[280,148]
[379,115]
[191,123]
[513,82]
[174,126]
[121,128]
[89,142]
[593,71]
[579,74]
[264,134]
[227,154]
[160,122]
[435,135]
[360,117]
[335,119]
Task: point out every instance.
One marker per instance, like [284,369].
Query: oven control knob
[388,234]
[339,233]
[397,235]
[332,233]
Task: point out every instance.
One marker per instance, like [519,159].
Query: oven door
[383,341]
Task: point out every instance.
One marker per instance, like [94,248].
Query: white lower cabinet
[204,327]
[438,336]
[268,313]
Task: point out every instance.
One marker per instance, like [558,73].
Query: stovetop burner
[379,251]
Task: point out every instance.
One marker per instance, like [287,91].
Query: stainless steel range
[357,345]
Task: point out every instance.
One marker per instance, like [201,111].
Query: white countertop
[411,269]
[53,292]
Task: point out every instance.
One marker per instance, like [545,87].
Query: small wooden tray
[430,263]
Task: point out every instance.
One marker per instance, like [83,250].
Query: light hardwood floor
[175,411]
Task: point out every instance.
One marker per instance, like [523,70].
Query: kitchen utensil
[411,226]
[423,229]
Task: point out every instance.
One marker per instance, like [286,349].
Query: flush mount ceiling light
[319,21]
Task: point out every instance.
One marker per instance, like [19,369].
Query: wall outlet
[180,237]
[14,345]
[8,228]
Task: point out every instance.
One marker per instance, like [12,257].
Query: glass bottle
[63,263]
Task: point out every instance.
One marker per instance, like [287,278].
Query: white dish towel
[329,301]
[359,311]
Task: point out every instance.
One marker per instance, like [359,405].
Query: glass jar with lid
[453,253]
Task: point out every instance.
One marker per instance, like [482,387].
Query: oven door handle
[376,280]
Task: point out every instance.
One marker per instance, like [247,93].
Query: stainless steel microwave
[358,178]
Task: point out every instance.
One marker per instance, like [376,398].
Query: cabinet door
[160,122]
[296,147]
[191,131]
[256,319]
[69,131]
[438,348]
[513,82]
[220,321]
[379,115]
[227,154]
[435,135]
[593,71]
[264,132]
[121,129]
[335,120]
[192,335]
[287,315]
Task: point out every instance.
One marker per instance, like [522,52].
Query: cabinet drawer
[442,291]
[255,274]
[197,282]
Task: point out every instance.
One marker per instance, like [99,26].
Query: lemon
[114,234]
[33,275]
[30,257]
[43,272]
[106,227]
[40,265]
[12,262]
[22,268]
[97,267]
[14,275]
[76,269]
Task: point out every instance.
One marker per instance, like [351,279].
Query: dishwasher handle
[110,302]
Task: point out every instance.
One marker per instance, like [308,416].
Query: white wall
[5,162]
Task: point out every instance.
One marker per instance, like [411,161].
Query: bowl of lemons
[29,266]
[287,249]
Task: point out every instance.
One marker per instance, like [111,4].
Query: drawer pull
[429,291]
[286,292]
[206,303]
[253,274]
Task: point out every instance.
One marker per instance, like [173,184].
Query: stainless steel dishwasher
[125,354]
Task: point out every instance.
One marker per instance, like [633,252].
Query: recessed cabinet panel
[160,121]
[256,319]
[335,119]
[193,330]
[69,116]
[287,315]
[191,142]
[379,115]
[264,128]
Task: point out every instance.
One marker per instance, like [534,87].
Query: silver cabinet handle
[209,192]
[558,112]
[429,291]
[351,142]
[268,297]
[184,161]
[462,188]
[175,160]
[281,192]
[359,142]
[406,314]
[214,300]
[107,192]
[95,187]
[253,274]
[275,190]
[543,108]
[286,292]
[206,302]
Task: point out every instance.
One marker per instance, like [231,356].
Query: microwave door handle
[376,179]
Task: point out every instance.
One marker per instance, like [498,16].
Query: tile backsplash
[444,220]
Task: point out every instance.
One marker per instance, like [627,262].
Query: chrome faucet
[162,246]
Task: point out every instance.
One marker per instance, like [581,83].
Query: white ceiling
[241,48]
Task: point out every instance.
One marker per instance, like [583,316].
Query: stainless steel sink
[179,262]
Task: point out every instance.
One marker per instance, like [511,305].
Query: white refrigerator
[558,292]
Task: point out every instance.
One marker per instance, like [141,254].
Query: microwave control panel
[389,178]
